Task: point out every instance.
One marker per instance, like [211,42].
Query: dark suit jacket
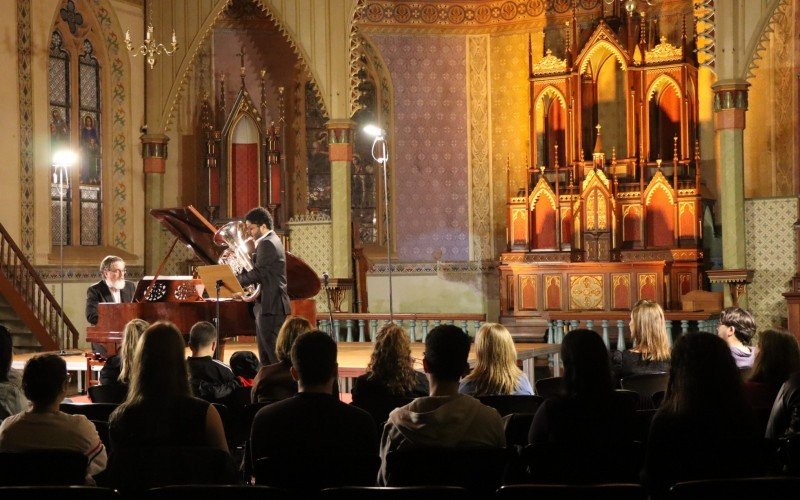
[99,292]
[269,270]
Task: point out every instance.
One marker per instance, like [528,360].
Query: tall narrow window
[75,96]
[364,209]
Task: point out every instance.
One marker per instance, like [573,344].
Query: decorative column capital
[730,104]
[340,139]
[154,153]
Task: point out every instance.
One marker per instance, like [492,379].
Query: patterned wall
[510,125]
[770,247]
[306,233]
[479,141]
[430,147]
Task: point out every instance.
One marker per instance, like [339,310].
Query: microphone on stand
[325,279]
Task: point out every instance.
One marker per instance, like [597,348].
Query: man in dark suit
[112,288]
[269,270]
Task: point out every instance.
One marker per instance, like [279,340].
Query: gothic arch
[609,47]
[552,91]
[661,82]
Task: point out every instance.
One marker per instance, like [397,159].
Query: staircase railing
[361,327]
[30,298]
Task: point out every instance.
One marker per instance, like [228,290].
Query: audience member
[496,372]
[785,416]
[312,421]
[445,418]
[160,410]
[590,413]
[12,401]
[737,327]
[44,426]
[117,369]
[650,352]
[209,378]
[245,367]
[704,429]
[777,357]
[274,382]
[390,372]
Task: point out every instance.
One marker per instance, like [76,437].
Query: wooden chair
[517,427]
[380,408]
[572,492]
[480,470]
[550,387]
[394,493]
[42,467]
[314,472]
[506,405]
[216,492]
[59,492]
[114,394]
[737,489]
[92,411]
[645,385]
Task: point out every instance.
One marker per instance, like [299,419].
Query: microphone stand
[334,335]
[216,319]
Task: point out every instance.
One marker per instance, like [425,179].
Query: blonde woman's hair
[290,330]
[649,331]
[133,330]
[496,371]
[159,371]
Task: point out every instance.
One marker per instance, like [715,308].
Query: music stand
[220,277]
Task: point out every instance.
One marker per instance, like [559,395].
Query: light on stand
[382,157]
[62,161]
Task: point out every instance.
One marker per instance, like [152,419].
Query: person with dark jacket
[785,415]
[112,288]
[210,379]
[274,382]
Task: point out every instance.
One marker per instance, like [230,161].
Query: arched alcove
[664,113]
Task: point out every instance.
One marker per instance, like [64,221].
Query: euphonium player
[269,270]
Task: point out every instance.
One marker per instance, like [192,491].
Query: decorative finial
[555,160]
[675,147]
[658,163]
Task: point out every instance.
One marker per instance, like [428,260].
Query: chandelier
[150,48]
[629,5]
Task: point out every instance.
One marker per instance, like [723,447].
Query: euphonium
[237,254]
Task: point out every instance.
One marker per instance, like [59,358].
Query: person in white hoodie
[445,418]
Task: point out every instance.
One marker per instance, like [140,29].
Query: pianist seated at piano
[112,288]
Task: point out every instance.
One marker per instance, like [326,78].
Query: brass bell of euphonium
[237,254]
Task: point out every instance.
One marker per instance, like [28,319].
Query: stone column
[730,106]
[154,154]
[340,149]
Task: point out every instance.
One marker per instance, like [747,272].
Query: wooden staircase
[35,309]
[23,340]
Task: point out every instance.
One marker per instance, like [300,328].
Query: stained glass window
[366,171]
[319,166]
[75,98]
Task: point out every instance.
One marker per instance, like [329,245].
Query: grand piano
[179,299]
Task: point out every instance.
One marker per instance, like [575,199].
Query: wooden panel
[647,286]
[621,291]
[544,224]
[660,219]
[632,223]
[552,292]
[686,219]
[527,292]
[566,226]
[586,292]
[510,291]
[684,283]
[519,223]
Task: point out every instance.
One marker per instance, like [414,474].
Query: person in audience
[312,421]
[704,428]
[496,372]
[117,369]
[445,418]
[209,378]
[650,352]
[785,415]
[777,357]
[245,367]
[44,426]
[12,400]
[160,410]
[737,327]
[274,382]
[590,413]
[390,372]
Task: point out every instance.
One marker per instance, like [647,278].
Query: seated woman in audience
[160,410]
[590,412]
[44,426]
[390,372]
[704,429]
[737,328]
[650,352]
[12,401]
[777,357]
[274,382]
[496,372]
[117,369]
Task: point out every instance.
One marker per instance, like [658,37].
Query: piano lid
[194,230]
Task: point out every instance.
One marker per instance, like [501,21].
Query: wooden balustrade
[31,299]
[362,327]
[605,323]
